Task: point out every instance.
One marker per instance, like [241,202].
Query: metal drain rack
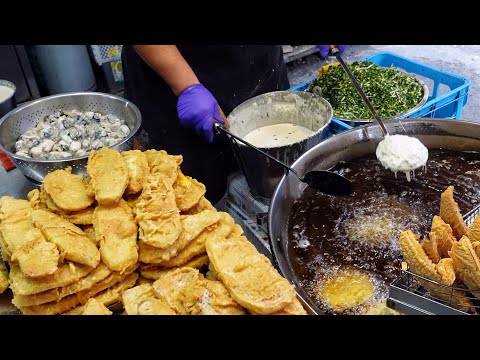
[408,293]
[409,296]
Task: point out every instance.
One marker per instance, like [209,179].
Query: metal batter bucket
[278,107]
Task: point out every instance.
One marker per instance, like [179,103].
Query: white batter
[5,93]
[402,153]
[277,135]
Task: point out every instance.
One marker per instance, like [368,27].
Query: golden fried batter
[35,199]
[197,262]
[71,240]
[444,236]
[66,274]
[88,184]
[4,253]
[188,191]
[43,201]
[116,232]
[450,213]
[455,298]
[153,272]
[3,278]
[157,214]
[90,232]
[152,306]
[294,308]
[442,273]
[475,230]
[138,170]
[37,258]
[109,175]
[203,204]
[187,293]
[68,191]
[161,162]
[418,261]
[83,217]
[86,282]
[348,288]
[109,296]
[131,298]
[197,246]
[143,280]
[157,195]
[169,287]
[476,247]
[132,200]
[446,271]
[206,297]
[249,276]
[52,308]
[11,207]
[211,273]
[192,226]
[160,230]
[141,300]
[372,229]
[467,264]
[46,202]
[22,242]
[95,307]
[236,232]
[71,301]
[430,247]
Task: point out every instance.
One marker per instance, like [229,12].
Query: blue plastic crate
[448,92]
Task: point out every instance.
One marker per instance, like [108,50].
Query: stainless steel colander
[19,120]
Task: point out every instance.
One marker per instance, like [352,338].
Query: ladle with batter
[395,152]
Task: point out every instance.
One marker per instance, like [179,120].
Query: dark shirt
[232,73]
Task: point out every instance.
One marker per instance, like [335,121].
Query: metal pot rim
[302,94]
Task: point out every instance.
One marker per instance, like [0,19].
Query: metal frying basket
[408,293]
[19,120]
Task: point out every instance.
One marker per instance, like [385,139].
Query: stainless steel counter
[13,183]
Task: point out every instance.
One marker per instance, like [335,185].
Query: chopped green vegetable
[391,92]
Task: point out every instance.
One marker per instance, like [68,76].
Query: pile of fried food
[449,255]
[136,230]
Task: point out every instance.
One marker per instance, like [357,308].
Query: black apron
[233,74]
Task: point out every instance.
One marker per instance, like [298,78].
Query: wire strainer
[19,120]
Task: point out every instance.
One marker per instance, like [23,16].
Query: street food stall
[90,223]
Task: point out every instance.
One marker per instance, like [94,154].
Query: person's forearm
[167,62]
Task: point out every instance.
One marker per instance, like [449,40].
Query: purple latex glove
[325,49]
[197,108]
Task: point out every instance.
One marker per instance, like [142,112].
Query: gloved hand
[325,49]
[197,108]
